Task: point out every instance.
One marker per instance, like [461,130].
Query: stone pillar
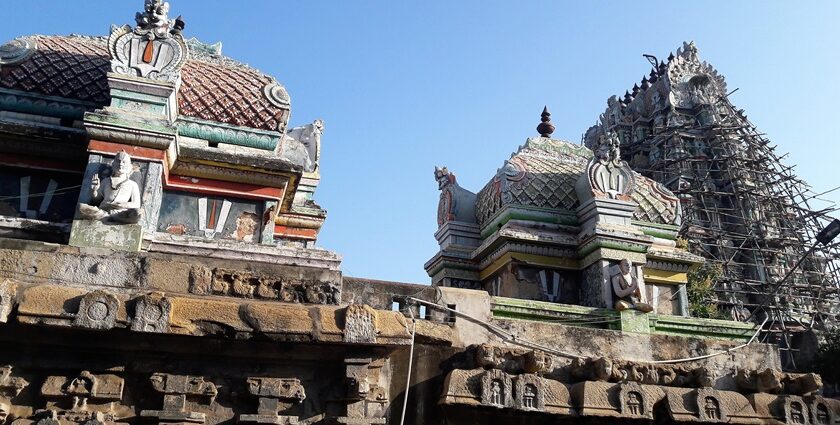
[275,395]
[359,388]
[175,389]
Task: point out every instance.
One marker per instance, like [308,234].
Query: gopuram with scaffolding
[744,211]
[158,259]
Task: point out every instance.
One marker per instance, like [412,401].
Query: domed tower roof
[213,88]
[543,174]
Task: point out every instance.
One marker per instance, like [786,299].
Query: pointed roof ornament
[653,76]
[545,128]
[635,90]
[627,97]
[645,83]
[671,57]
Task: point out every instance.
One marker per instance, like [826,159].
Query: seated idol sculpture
[625,284]
[116,198]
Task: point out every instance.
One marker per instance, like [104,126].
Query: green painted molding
[606,243]
[37,104]
[563,314]
[601,318]
[232,135]
[663,231]
[523,212]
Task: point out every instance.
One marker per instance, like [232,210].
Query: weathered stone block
[7,299]
[95,234]
[635,321]
[97,310]
[360,324]
[152,313]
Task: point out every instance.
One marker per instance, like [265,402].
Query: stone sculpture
[154,49]
[302,145]
[456,203]
[626,287]
[115,198]
[608,175]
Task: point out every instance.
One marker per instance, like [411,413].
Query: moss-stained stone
[635,322]
[589,317]
[121,237]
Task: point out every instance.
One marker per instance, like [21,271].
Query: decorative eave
[38,104]
[215,132]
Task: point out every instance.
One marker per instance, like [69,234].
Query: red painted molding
[138,152]
[218,187]
[294,232]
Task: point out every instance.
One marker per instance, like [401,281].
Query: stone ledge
[54,305]
[590,317]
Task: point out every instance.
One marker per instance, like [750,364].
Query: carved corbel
[97,310]
[84,398]
[360,388]
[152,313]
[176,389]
[10,387]
[275,395]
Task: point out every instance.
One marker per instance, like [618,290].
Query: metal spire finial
[545,128]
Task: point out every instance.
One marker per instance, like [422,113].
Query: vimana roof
[214,87]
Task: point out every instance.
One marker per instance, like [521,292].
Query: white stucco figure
[627,291]
[115,198]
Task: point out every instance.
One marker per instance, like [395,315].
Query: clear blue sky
[404,86]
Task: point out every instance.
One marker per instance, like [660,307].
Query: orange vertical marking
[212,223]
[147,53]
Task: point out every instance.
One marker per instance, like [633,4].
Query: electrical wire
[410,361]
[707,356]
[37,195]
[534,345]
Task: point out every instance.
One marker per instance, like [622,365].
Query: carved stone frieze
[360,324]
[97,310]
[245,284]
[773,381]
[529,393]
[821,413]
[796,411]
[152,313]
[710,407]
[607,370]
[633,401]
[176,389]
[496,389]
[512,360]
[275,396]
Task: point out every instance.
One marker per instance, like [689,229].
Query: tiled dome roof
[543,173]
[213,88]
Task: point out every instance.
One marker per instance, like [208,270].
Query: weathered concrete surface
[95,234]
